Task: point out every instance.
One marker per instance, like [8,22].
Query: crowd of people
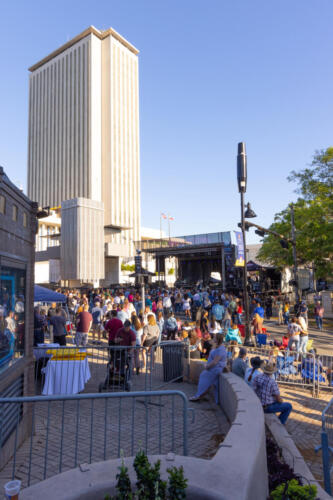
[259,376]
[210,322]
[196,315]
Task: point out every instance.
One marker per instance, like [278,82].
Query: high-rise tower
[84,132]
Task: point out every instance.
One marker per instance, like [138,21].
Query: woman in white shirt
[138,329]
[213,326]
[294,331]
[187,306]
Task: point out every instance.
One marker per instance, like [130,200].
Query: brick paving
[304,424]
[103,430]
[322,340]
[152,423]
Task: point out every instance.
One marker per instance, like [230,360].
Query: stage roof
[194,240]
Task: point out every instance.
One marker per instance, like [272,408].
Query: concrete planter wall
[238,471]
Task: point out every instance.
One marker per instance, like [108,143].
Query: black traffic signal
[138,264]
[260,233]
[246,225]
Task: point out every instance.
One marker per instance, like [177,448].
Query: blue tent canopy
[42,294]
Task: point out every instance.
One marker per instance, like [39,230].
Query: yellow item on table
[63,352]
[75,357]
[66,354]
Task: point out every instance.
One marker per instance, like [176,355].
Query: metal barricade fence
[169,362]
[324,372]
[68,370]
[292,368]
[326,444]
[62,432]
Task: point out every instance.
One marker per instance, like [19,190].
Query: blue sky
[212,73]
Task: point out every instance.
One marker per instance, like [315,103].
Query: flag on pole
[164,216]
[171,218]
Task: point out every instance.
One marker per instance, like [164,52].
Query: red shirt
[127,337]
[112,327]
[84,322]
[198,332]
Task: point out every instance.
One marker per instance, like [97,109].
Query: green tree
[313,220]
[317,179]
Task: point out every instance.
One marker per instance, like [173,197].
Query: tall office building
[84,138]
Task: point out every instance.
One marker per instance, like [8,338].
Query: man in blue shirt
[259,310]
[218,311]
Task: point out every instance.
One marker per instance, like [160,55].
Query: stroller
[119,370]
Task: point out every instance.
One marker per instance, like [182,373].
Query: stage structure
[197,257]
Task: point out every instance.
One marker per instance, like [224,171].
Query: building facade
[83,137]
[18,226]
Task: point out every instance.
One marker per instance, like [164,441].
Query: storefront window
[12,314]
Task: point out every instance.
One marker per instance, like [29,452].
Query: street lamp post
[242,178]
[293,239]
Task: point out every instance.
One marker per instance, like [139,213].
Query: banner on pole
[240,251]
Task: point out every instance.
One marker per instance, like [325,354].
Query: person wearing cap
[239,365]
[268,392]
[253,371]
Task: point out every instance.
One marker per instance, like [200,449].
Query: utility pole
[293,239]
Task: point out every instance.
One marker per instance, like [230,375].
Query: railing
[292,368]
[63,432]
[326,444]
[169,362]
[108,368]
[325,372]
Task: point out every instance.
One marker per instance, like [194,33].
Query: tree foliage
[317,179]
[313,220]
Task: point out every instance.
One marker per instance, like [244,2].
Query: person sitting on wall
[268,392]
[239,365]
[209,376]
[254,370]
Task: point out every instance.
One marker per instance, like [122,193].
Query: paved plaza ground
[102,430]
[304,425]
[156,424]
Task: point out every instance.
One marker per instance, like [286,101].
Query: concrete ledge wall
[238,471]
[242,455]
[291,453]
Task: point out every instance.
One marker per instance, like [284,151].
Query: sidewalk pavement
[322,340]
[304,424]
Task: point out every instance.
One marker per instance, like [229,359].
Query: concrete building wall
[59,146]
[84,131]
[82,240]
[120,140]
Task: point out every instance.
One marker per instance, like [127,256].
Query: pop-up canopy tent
[42,294]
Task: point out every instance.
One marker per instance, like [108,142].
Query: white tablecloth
[40,350]
[65,377]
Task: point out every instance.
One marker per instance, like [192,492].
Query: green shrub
[177,483]
[149,485]
[294,491]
